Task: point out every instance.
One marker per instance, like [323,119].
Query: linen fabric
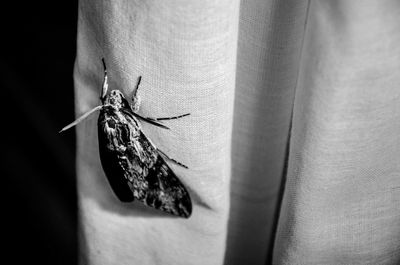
[293,142]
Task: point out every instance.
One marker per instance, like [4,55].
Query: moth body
[134,166]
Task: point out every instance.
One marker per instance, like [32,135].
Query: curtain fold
[342,200]
[293,142]
[185,52]
[268,59]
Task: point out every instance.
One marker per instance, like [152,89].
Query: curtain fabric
[293,142]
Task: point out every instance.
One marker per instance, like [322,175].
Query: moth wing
[135,169]
[110,161]
[164,190]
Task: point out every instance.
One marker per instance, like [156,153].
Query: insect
[134,166]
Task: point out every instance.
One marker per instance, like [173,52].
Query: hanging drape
[293,142]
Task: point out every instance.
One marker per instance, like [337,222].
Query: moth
[134,166]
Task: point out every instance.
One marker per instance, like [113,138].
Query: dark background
[39,191]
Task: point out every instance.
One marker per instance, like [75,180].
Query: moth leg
[135,98]
[105,82]
[171,159]
[151,121]
[169,118]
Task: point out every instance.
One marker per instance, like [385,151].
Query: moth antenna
[137,86]
[81,118]
[105,81]
[104,65]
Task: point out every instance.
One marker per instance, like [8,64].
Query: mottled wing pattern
[135,168]
[109,155]
[164,190]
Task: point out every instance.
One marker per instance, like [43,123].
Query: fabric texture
[293,142]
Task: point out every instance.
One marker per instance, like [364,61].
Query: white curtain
[293,142]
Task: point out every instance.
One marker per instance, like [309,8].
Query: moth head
[116,99]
